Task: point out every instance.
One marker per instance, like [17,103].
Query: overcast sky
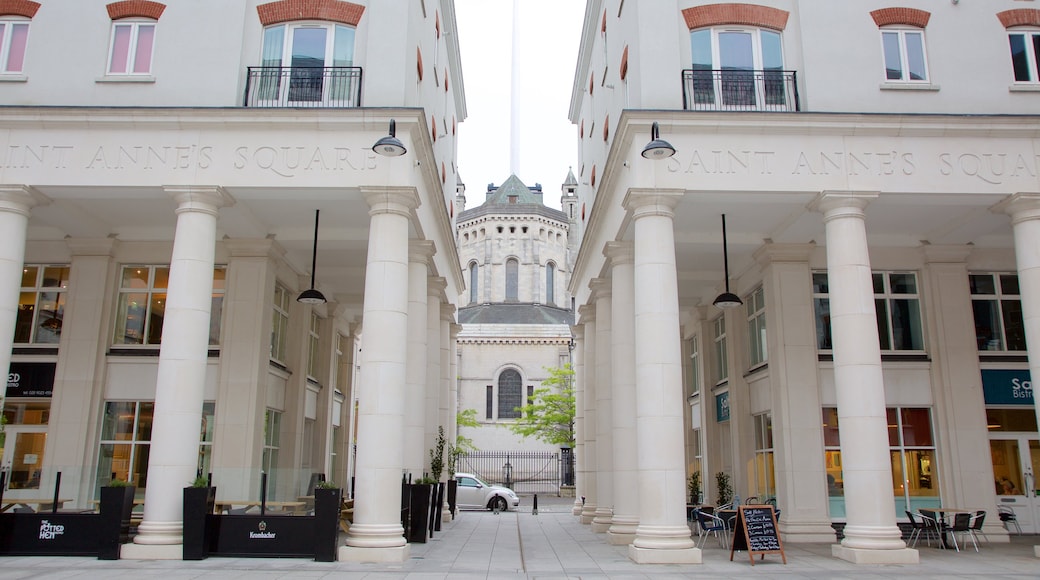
[550,32]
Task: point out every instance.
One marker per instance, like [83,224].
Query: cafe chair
[919,527]
[712,524]
[934,524]
[1008,516]
[976,527]
[961,525]
[753,500]
[23,510]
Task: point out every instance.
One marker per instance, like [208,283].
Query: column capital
[619,252]
[200,198]
[578,332]
[600,288]
[436,285]
[252,247]
[772,252]
[421,251]
[587,313]
[401,200]
[21,198]
[645,202]
[1022,206]
[91,246]
[454,330]
[447,312]
[946,253]
[833,204]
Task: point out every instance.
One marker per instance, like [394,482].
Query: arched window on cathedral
[550,283]
[473,283]
[510,391]
[512,280]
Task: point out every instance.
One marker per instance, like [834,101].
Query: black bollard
[534,510]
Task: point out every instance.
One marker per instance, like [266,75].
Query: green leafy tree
[549,415]
[463,444]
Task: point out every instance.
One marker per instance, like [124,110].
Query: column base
[622,530]
[659,556]
[374,555]
[600,524]
[151,552]
[863,556]
[1036,551]
[576,510]
[620,539]
[588,513]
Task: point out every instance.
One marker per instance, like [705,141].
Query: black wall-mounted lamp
[390,146]
[311,295]
[727,299]
[657,148]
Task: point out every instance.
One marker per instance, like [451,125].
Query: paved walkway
[547,546]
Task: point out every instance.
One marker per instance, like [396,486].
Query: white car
[475,493]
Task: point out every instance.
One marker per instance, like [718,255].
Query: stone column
[377,534]
[623,402]
[15,203]
[449,334]
[419,253]
[174,457]
[578,454]
[604,415]
[588,510]
[871,535]
[432,410]
[662,535]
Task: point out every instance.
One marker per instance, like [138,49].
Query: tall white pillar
[174,457]
[588,511]
[578,454]
[419,253]
[604,415]
[871,535]
[432,409]
[15,203]
[662,535]
[377,534]
[623,402]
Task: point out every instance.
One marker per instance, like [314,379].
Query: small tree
[549,415]
[722,487]
[463,444]
[694,487]
[437,455]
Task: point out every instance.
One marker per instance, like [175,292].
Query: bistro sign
[30,379]
[1007,387]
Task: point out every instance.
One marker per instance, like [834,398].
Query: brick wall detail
[740,14]
[135,9]
[24,8]
[1019,17]
[624,63]
[900,15]
[327,10]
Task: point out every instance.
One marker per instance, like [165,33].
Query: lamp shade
[390,146]
[657,148]
[727,300]
[311,296]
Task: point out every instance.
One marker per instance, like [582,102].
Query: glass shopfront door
[23,461]
[1016,461]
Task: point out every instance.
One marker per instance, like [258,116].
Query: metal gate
[525,472]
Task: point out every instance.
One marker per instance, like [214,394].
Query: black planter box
[419,511]
[327,503]
[49,534]
[437,507]
[453,488]
[198,533]
[117,503]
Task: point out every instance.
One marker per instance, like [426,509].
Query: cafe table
[292,507]
[42,505]
[943,518]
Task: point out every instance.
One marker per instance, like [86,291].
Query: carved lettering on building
[289,161]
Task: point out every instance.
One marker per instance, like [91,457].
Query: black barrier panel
[49,534]
[267,536]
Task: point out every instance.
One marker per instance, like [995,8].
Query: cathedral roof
[514,192]
[515,313]
[570,178]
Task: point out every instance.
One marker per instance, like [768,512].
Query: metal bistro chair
[1008,516]
[961,525]
[932,523]
[919,527]
[976,527]
[712,524]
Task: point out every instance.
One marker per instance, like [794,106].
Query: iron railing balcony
[303,86]
[740,90]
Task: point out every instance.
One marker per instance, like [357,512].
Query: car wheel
[498,503]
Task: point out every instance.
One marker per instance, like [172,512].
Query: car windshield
[480,481]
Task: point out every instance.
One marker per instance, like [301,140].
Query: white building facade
[880,189]
[157,218]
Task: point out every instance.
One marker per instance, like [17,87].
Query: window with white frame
[41,304]
[126,435]
[695,366]
[272,445]
[280,323]
[473,271]
[141,307]
[756,325]
[510,394]
[898,306]
[735,66]
[316,56]
[997,307]
[313,352]
[904,53]
[130,50]
[765,479]
[14,37]
[721,356]
[1025,50]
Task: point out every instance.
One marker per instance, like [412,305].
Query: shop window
[721,356]
[280,323]
[897,304]
[41,304]
[313,351]
[141,307]
[997,307]
[756,326]
[695,366]
[272,445]
[764,471]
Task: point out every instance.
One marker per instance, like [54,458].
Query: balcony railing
[303,86]
[740,90]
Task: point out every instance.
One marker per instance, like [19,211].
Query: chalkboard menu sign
[755,532]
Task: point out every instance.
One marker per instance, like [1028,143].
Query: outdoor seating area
[947,524]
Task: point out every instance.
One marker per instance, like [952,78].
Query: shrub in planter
[198,504]
[117,503]
[420,496]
